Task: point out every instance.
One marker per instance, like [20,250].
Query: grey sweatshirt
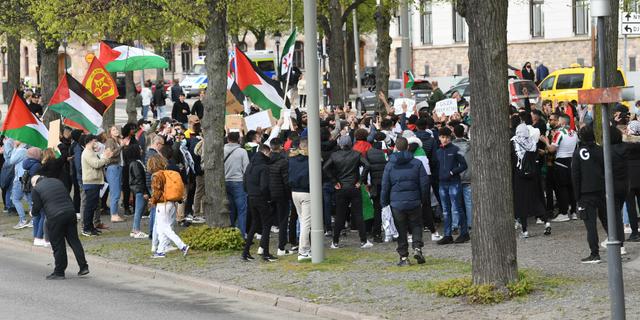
[237,162]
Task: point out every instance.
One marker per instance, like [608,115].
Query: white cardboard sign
[446,106]
[411,106]
[262,119]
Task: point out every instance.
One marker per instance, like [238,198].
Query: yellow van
[563,84]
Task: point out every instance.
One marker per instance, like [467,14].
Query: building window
[399,25]
[537,19]
[202,49]
[426,29]
[459,26]
[581,17]
[632,63]
[168,55]
[26,61]
[186,55]
[298,55]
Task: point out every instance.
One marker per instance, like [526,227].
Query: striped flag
[407,79]
[24,126]
[117,57]
[263,91]
[73,101]
[287,53]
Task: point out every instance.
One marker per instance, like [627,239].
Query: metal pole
[625,59]
[616,286]
[356,45]
[313,124]
[404,26]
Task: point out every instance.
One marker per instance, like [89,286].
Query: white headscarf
[523,142]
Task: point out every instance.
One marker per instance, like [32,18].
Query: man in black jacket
[180,111]
[343,167]
[176,91]
[280,194]
[256,182]
[198,108]
[377,161]
[51,197]
[587,173]
[160,100]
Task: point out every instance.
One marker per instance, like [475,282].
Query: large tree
[493,239]
[383,47]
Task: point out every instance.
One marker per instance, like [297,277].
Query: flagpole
[287,87]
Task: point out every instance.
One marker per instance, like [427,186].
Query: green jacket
[436,96]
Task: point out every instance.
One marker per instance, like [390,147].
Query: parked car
[563,84]
[367,100]
[516,95]
[421,90]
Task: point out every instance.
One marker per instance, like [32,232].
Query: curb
[226,290]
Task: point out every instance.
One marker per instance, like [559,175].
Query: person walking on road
[51,198]
[405,184]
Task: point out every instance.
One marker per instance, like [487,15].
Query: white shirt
[565,140]
[146,96]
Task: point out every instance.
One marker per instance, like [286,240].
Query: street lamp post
[277,36]
[602,9]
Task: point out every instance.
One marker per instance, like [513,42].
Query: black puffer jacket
[633,162]
[279,176]
[256,178]
[377,161]
[51,195]
[137,177]
[344,167]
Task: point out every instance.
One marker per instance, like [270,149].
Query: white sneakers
[365,245]
[436,236]
[573,216]
[260,251]
[623,250]
[138,235]
[627,229]
[304,256]
[562,218]
[281,253]
[524,235]
[539,221]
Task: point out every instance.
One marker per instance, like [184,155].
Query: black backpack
[528,166]
[26,182]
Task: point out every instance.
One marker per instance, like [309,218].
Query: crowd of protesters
[386,176]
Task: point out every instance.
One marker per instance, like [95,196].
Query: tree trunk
[157,47]
[130,84]
[493,241]
[13,65]
[215,200]
[109,116]
[50,77]
[350,60]
[260,39]
[611,63]
[336,53]
[383,48]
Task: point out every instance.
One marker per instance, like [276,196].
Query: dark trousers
[63,228]
[427,214]
[344,198]
[406,220]
[293,225]
[328,203]
[260,216]
[376,228]
[564,188]
[76,195]
[592,208]
[92,196]
[281,207]
[550,187]
[633,198]
[191,194]
[126,190]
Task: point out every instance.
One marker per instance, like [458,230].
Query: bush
[484,294]
[212,239]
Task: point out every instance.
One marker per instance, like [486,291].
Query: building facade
[554,32]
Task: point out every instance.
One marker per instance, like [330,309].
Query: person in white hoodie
[146,95]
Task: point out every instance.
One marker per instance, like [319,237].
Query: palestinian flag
[24,126]
[232,86]
[263,91]
[407,79]
[117,57]
[73,101]
[287,53]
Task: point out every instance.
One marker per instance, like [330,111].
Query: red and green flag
[263,91]
[407,79]
[75,102]
[24,126]
[118,57]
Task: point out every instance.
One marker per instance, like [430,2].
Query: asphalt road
[103,294]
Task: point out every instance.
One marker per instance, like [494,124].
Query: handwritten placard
[263,119]
[411,106]
[446,106]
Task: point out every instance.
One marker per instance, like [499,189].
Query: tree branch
[347,11]
[324,24]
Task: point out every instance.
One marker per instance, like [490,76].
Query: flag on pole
[263,91]
[117,57]
[232,86]
[100,83]
[75,102]
[286,61]
[24,126]
[407,79]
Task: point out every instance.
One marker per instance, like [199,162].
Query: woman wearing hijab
[528,198]
[527,72]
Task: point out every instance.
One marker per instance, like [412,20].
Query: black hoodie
[256,178]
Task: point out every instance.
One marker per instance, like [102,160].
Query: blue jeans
[38,225]
[145,111]
[237,205]
[9,203]
[16,198]
[451,198]
[152,219]
[114,179]
[466,196]
[137,216]
[328,199]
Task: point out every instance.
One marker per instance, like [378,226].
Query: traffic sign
[630,23]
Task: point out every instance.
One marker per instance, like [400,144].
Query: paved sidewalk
[367,280]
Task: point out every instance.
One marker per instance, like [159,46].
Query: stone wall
[443,61]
